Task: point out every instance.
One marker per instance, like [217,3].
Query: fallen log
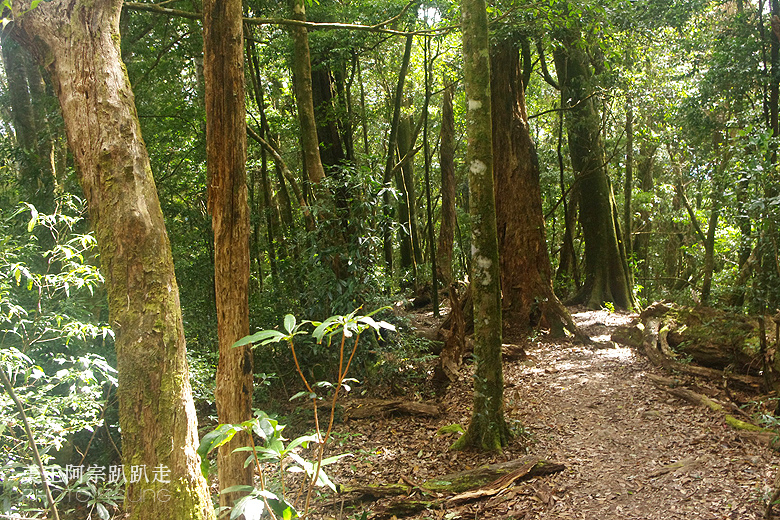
[651,334]
[367,408]
[746,429]
[482,482]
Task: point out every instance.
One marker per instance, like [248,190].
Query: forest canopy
[634,159]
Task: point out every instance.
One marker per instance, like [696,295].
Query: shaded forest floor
[631,450]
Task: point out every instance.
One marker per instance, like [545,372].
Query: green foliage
[273,450]
[54,347]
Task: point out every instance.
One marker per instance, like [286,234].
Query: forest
[351,259]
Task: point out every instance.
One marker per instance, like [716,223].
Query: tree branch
[378,28]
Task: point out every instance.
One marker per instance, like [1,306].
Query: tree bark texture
[447,165]
[526,280]
[223,69]
[487,430]
[607,278]
[79,43]
[303,94]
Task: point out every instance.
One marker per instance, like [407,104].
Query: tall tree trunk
[628,212]
[408,235]
[303,94]
[607,278]
[488,429]
[447,165]
[223,70]
[331,148]
[80,44]
[387,239]
[526,280]
[428,203]
[568,274]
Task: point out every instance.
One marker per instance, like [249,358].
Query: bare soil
[631,450]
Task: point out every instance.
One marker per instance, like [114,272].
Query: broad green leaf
[238,488]
[263,336]
[289,323]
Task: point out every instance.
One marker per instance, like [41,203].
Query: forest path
[631,450]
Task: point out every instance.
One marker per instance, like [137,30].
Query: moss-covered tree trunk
[223,71]
[526,280]
[607,278]
[447,165]
[303,95]
[79,43]
[488,429]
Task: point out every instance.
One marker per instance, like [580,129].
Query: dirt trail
[632,451]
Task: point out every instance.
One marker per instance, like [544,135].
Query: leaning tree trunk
[488,429]
[79,43]
[223,70]
[526,280]
[607,278]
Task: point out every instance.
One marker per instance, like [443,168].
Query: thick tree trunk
[223,69]
[447,165]
[331,148]
[607,278]
[80,44]
[488,429]
[526,280]
[303,94]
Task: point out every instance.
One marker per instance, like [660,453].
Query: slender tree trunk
[407,216]
[628,212]
[303,94]
[80,44]
[526,280]
[447,165]
[488,429]
[387,239]
[429,205]
[223,69]
[607,278]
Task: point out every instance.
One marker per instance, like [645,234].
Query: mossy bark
[79,43]
[302,82]
[607,277]
[488,429]
[223,70]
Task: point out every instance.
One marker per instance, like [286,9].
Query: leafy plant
[273,449]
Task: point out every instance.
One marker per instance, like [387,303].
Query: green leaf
[33,211]
[303,441]
[310,395]
[264,337]
[250,506]
[289,323]
[214,439]
[240,488]
[102,511]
